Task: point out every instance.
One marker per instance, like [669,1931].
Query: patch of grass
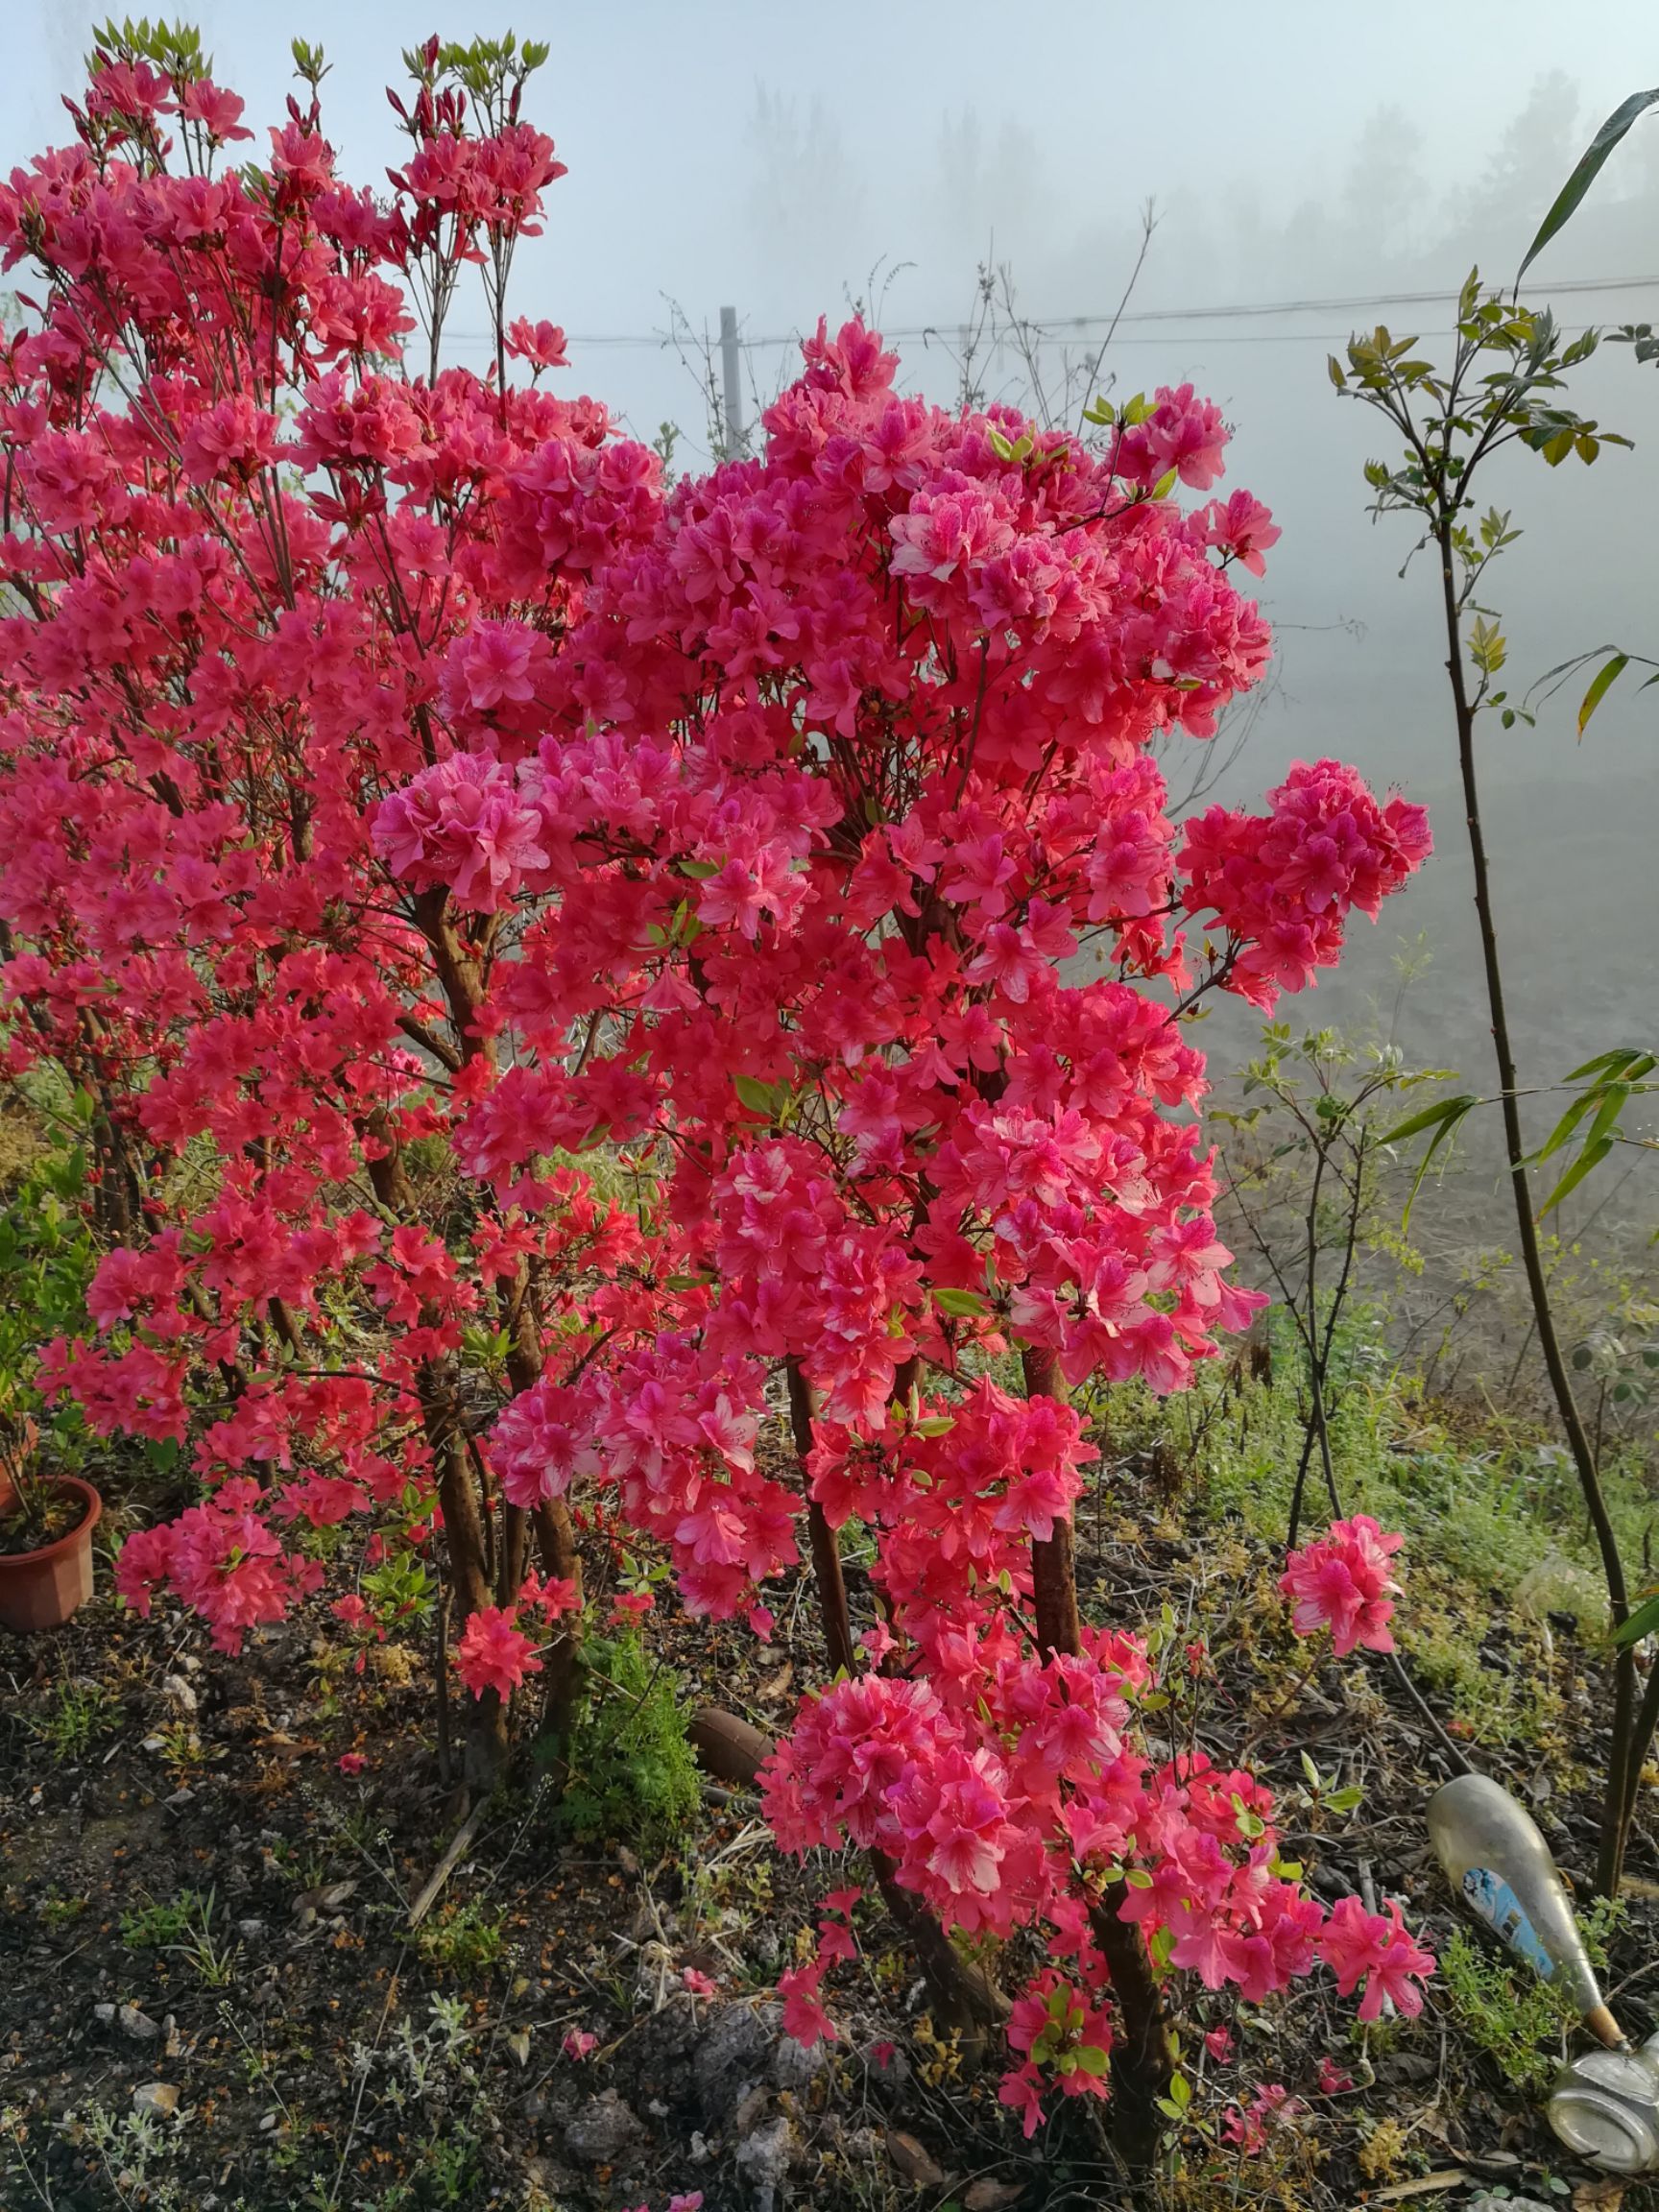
[632,1774]
[183,1927]
[60,1911]
[1516,2019]
[157,1926]
[464,1938]
[75,1716]
[1493,1522]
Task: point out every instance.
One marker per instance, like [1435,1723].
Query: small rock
[104,2013]
[138,2024]
[555,2182]
[734,2054]
[795,2065]
[178,1692]
[627,1860]
[158,2097]
[602,2129]
[249,1931]
[1487,2201]
[268,2123]
[765,2156]
[178,1800]
[311,1902]
[751,2109]
[154,1744]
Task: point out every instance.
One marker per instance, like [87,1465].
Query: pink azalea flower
[1343,1581]
[494,1653]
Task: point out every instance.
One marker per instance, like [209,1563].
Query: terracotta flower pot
[40,1589]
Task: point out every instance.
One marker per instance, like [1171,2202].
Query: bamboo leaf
[1606,677]
[1589,168]
[1443,1120]
[1426,1118]
[1568,1122]
[1591,1155]
[1642,1622]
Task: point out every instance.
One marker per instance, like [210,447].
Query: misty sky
[774,157]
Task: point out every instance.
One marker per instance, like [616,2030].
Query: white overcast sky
[770,155]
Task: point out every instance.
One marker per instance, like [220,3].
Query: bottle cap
[1605,2107]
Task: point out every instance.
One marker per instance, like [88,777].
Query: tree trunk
[1143,2057]
[1619,1797]
[966,2003]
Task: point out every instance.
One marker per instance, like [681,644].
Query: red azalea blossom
[1343,1581]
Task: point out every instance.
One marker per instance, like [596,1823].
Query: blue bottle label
[1490,1896]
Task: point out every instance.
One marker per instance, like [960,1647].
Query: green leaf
[1428,1118]
[759,1097]
[1094,2062]
[1002,447]
[1589,168]
[1591,1155]
[1443,1118]
[1642,1622]
[698,870]
[951,1299]
[1166,484]
[1606,677]
[1605,1064]
[1345,1800]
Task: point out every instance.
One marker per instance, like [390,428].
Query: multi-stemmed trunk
[1143,2058]
[966,2003]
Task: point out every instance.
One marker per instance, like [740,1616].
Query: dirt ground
[201,1914]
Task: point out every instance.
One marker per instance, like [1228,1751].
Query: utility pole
[732,379]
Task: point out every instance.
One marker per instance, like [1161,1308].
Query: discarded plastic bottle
[1604,2104]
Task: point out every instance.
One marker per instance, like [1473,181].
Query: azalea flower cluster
[679,989]
[1344,1581]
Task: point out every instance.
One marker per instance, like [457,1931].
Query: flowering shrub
[399,774]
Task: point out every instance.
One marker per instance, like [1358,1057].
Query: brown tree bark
[1143,2057]
[966,2003]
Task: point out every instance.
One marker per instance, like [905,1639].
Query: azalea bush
[660,1005]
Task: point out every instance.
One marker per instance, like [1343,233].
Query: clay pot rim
[89,1521]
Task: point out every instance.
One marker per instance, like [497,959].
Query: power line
[1056,325]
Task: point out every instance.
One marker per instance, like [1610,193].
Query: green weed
[632,1772]
[76,1715]
[1516,2019]
[183,1927]
[464,1938]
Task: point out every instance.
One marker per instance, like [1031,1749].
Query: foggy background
[784,160]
